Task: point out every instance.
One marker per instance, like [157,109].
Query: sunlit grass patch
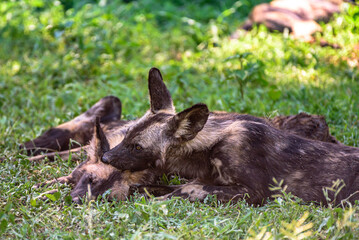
[57,58]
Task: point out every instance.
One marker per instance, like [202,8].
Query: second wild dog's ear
[160,97]
[101,144]
[185,125]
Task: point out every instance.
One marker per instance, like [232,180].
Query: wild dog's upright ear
[160,97]
[185,125]
[100,143]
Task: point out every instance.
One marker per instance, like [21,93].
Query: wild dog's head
[147,142]
[95,178]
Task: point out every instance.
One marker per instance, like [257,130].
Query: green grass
[57,58]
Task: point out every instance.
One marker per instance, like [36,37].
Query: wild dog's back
[306,166]
[238,149]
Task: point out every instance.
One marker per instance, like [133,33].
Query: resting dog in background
[300,17]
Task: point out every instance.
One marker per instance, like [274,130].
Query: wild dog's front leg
[72,179]
[197,191]
[76,154]
[61,180]
[155,190]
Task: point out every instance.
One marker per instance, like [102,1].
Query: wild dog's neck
[213,132]
[206,138]
[192,159]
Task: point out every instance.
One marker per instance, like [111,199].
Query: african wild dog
[231,155]
[93,177]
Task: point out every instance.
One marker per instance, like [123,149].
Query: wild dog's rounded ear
[160,97]
[186,124]
[108,108]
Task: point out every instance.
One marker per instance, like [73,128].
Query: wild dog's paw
[45,195]
[155,190]
[39,185]
[192,192]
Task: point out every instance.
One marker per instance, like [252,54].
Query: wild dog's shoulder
[219,116]
[273,140]
[228,127]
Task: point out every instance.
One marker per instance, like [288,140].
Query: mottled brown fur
[101,177]
[305,125]
[234,156]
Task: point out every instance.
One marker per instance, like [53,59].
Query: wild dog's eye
[138,147]
[91,178]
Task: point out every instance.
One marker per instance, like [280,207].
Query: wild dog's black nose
[105,158]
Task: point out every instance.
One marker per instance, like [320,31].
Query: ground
[57,58]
